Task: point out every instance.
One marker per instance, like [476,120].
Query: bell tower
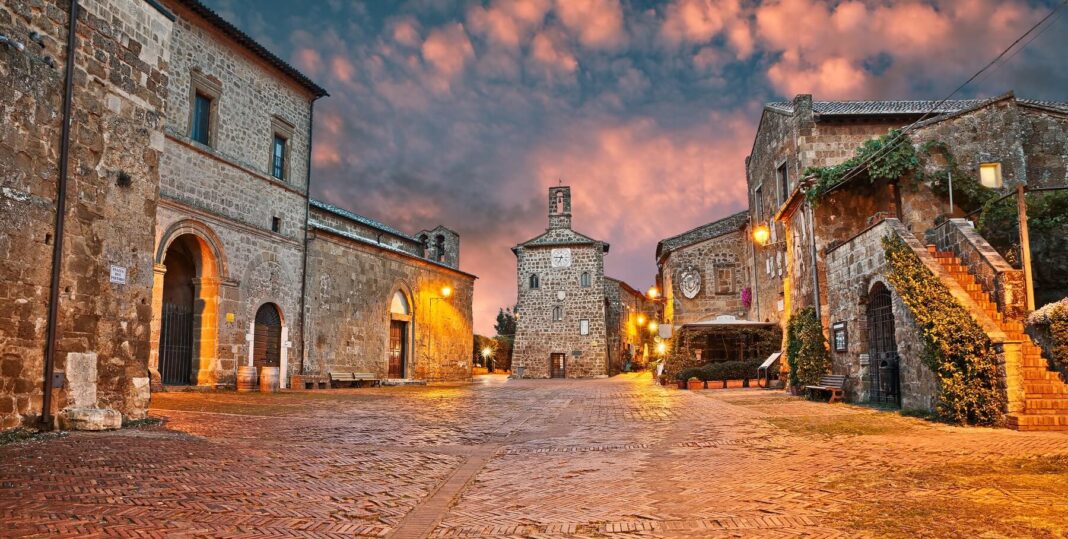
[559,207]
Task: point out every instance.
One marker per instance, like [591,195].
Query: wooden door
[398,332]
[556,365]
[267,337]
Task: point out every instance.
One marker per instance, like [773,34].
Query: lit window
[584,327]
[990,175]
[201,131]
[278,157]
[558,313]
[534,280]
[584,280]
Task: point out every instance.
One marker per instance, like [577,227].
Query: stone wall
[538,335]
[351,283]
[729,251]
[103,332]
[853,269]
[249,223]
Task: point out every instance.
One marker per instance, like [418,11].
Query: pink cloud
[595,23]
[341,68]
[833,78]
[698,21]
[325,154]
[550,50]
[309,61]
[508,23]
[406,32]
[447,50]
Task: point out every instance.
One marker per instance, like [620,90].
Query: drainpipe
[307,224]
[61,210]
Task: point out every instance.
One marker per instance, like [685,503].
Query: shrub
[806,349]
[1050,323]
[956,349]
[686,374]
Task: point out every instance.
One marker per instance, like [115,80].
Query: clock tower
[560,330]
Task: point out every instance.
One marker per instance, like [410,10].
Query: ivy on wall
[806,349]
[899,161]
[956,349]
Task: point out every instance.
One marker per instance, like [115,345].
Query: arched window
[424,244]
[439,248]
[558,313]
[534,280]
[559,202]
[584,280]
[399,305]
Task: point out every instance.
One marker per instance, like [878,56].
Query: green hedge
[956,349]
[806,349]
[721,371]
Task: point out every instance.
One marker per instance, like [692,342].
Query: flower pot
[682,384]
[695,384]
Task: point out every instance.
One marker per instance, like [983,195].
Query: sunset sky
[462,113]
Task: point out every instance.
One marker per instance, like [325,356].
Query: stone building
[182,253]
[835,257]
[627,314]
[704,272]
[560,326]
[234,184]
[379,303]
[101,289]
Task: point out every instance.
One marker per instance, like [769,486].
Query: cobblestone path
[600,458]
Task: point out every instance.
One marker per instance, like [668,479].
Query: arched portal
[188,303]
[882,347]
[400,316]
[267,337]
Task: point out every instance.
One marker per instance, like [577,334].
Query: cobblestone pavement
[600,458]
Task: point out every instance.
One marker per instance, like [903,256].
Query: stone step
[1036,421]
[1045,388]
[1046,404]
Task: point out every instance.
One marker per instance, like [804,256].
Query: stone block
[89,419]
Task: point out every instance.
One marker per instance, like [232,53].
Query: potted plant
[695,383]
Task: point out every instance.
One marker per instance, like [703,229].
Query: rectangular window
[758,202]
[584,327]
[990,175]
[201,131]
[558,314]
[276,224]
[724,280]
[784,183]
[278,157]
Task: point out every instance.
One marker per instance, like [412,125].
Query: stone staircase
[1045,392]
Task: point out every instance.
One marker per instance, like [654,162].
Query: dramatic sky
[463,112]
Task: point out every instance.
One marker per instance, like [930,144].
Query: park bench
[831,383]
[353,378]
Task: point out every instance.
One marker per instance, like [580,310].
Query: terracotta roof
[704,232]
[342,212]
[877,108]
[242,38]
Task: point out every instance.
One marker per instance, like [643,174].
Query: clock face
[561,258]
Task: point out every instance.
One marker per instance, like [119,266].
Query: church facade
[562,328]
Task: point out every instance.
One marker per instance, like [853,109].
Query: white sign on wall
[118,275]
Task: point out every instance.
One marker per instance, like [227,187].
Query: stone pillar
[158,272]
[206,329]
[1011,353]
[283,372]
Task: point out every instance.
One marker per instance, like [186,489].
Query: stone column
[1011,353]
[206,329]
[158,272]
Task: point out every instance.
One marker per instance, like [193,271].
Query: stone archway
[185,306]
[885,386]
[267,336]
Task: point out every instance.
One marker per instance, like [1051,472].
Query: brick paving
[620,457]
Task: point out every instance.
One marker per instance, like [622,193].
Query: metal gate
[882,349]
[176,344]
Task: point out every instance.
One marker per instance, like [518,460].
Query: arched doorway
[176,344]
[400,316]
[882,347]
[267,337]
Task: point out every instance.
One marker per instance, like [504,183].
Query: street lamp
[446,292]
[653,326]
[761,235]
[653,293]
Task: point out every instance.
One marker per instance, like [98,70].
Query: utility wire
[892,143]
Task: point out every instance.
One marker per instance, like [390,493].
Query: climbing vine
[806,349]
[1051,325]
[956,349]
[900,160]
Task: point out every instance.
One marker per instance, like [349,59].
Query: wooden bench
[831,383]
[353,378]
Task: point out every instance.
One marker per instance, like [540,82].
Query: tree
[505,322]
